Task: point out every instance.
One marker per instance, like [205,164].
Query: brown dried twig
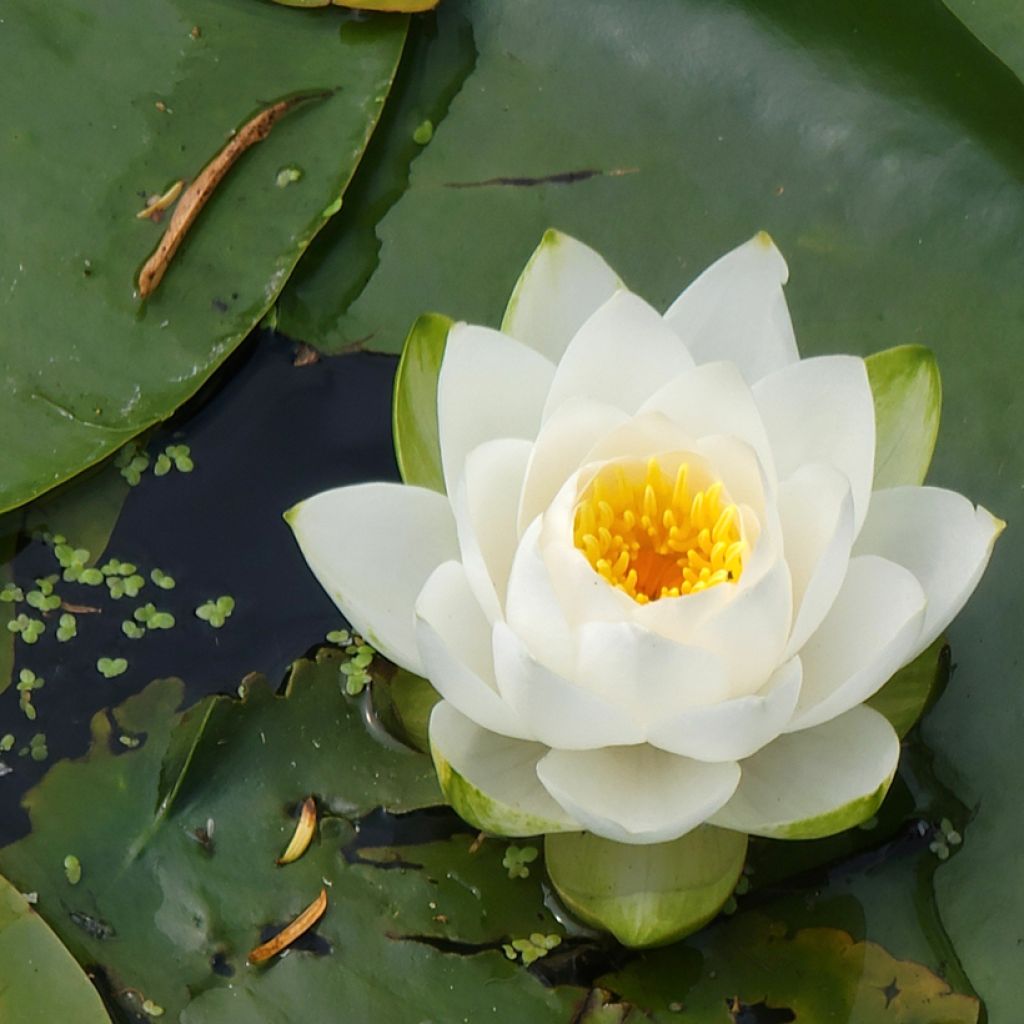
[194,198]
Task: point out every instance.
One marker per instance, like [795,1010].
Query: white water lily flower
[660,587]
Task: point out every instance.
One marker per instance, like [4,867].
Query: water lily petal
[941,538]
[490,780]
[620,356]
[738,466]
[636,794]
[732,729]
[560,449]
[558,712]
[454,639]
[490,386]
[714,399]
[485,503]
[647,673]
[871,630]
[750,631]
[736,311]
[639,437]
[372,547]
[811,784]
[816,514]
[822,410]
[561,285]
[532,607]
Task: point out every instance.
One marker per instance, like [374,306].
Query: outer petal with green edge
[821,410]
[621,355]
[636,794]
[490,386]
[941,537]
[490,780]
[736,311]
[372,547]
[907,390]
[561,285]
[649,895]
[414,409]
[811,784]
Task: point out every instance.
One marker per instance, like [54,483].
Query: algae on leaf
[87,365]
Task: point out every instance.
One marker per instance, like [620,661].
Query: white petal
[532,607]
[815,783]
[714,399]
[557,711]
[941,538]
[736,311]
[640,437]
[620,356]
[561,447]
[869,632]
[563,283]
[816,514]
[492,780]
[454,639]
[737,465]
[749,633]
[732,729]
[636,794]
[490,386]
[654,676]
[485,504]
[821,410]
[372,547]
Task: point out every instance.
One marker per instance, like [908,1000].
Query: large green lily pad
[880,146]
[107,107]
[42,983]
[174,892]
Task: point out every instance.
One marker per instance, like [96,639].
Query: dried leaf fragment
[287,935]
[303,834]
[157,204]
[194,198]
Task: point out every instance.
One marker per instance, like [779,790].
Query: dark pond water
[266,435]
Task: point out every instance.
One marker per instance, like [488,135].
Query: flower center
[652,536]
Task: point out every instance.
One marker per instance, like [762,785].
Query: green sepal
[912,690]
[907,389]
[403,701]
[414,409]
[646,895]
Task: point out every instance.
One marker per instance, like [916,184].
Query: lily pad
[87,365]
[752,964]
[42,982]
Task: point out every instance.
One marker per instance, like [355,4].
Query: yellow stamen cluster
[648,535]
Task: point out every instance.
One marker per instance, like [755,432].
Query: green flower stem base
[646,895]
